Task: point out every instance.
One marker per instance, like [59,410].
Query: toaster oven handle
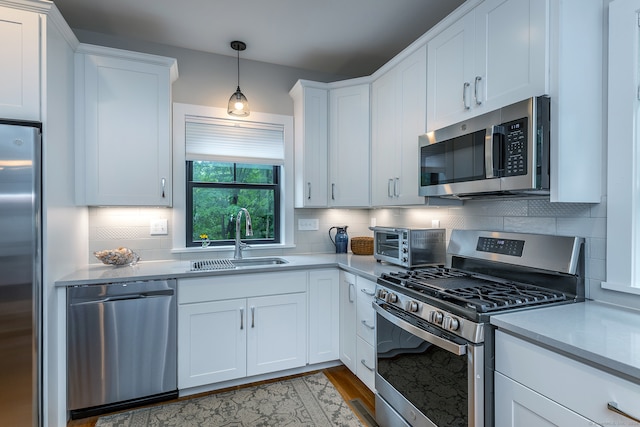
[443,343]
[494,150]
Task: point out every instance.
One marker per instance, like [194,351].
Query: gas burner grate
[502,296]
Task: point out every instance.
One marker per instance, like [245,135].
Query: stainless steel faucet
[237,254]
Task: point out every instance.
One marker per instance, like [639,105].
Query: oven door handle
[443,343]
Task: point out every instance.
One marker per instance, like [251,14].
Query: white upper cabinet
[123,138]
[493,56]
[311,144]
[398,111]
[349,146]
[20,70]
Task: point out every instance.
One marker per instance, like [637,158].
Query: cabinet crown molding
[90,49]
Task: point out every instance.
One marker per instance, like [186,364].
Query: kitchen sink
[232,264]
[249,262]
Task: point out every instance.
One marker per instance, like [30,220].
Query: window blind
[234,141]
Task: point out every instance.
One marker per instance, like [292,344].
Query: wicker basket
[362,245]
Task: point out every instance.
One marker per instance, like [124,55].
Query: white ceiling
[343,37]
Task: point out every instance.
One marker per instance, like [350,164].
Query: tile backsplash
[114,227]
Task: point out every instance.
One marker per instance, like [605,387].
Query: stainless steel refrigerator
[20,273]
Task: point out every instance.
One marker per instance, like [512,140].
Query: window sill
[620,288]
[213,249]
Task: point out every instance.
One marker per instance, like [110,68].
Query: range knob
[391,297]
[382,293]
[435,317]
[450,323]
[412,306]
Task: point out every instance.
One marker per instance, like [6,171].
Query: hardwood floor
[349,386]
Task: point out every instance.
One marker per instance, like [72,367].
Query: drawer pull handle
[613,406]
[364,322]
[367,292]
[364,362]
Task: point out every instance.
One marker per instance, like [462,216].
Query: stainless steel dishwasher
[121,346]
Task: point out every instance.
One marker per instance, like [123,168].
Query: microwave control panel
[515,147]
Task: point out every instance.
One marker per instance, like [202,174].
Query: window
[192,143]
[217,190]
[232,165]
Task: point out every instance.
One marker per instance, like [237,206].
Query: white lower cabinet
[324,315]
[209,354]
[234,326]
[348,320]
[538,387]
[357,327]
[519,406]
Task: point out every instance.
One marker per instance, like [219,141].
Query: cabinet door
[412,105]
[348,320]
[276,333]
[324,315]
[125,131]
[212,342]
[311,145]
[519,406]
[20,70]
[349,146]
[450,73]
[510,58]
[385,155]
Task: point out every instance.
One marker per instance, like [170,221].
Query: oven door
[424,375]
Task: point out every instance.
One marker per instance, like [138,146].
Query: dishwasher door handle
[116,298]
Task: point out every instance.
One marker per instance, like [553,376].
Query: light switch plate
[158,227]
[308,224]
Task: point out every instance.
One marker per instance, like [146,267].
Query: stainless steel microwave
[409,247]
[504,152]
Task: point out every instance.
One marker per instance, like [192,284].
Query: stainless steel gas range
[434,348]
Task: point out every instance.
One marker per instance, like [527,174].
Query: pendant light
[238,104]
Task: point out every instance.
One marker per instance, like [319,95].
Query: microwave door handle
[494,152]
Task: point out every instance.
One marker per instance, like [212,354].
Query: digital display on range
[500,246]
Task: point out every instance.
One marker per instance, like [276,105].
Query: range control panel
[500,246]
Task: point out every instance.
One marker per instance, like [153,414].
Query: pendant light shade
[238,104]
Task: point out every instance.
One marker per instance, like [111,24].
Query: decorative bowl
[120,256]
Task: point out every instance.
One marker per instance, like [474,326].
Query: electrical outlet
[435,223]
[308,224]
[158,227]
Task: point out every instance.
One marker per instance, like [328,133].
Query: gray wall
[209,79]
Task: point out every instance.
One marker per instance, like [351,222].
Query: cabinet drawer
[575,385]
[214,288]
[366,363]
[365,312]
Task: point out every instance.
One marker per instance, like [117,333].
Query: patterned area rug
[310,401]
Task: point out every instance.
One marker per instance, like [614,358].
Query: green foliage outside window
[215,193]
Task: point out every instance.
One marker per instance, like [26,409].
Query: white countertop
[602,335]
[362,265]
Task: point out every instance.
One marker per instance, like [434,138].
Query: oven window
[387,244]
[434,380]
